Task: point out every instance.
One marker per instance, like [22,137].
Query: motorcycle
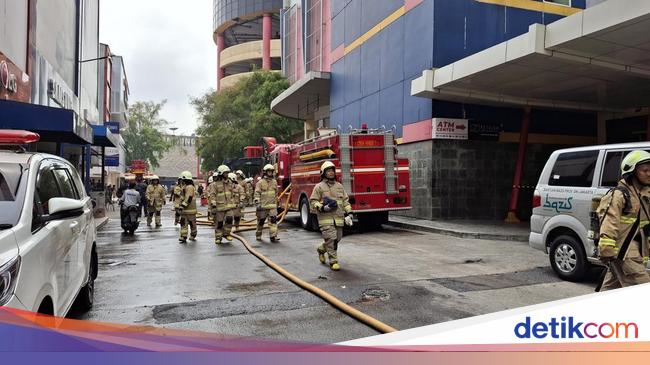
[130,218]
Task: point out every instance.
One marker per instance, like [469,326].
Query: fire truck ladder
[389,163]
[346,162]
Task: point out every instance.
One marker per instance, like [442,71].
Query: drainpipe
[516,183]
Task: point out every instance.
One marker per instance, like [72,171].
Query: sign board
[484,130]
[114,127]
[447,128]
[112,156]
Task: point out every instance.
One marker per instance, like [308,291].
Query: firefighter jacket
[156,195]
[266,193]
[177,195]
[238,195]
[220,195]
[334,191]
[617,221]
[188,200]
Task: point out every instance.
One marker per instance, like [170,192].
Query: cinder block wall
[469,179]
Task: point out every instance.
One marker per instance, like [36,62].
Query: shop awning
[103,137]
[52,124]
[595,60]
[304,97]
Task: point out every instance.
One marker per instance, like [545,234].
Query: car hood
[8,246]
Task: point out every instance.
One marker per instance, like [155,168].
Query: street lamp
[173,129]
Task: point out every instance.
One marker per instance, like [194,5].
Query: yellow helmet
[232,177]
[268,167]
[327,165]
[632,160]
[186,175]
[223,170]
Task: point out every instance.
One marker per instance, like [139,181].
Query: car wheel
[307,219]
[86,296]
[567,258]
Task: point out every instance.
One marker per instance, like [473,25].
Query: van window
[574,169]
[612,168]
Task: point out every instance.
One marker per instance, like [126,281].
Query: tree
[143,137]
[239,116]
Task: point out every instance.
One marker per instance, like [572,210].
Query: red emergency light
[17,137]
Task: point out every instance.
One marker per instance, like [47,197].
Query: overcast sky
[168,52]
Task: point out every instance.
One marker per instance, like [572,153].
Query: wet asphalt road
[404,278]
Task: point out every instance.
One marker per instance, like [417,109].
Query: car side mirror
[63,208]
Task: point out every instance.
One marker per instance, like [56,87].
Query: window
[612,168]
[47,188]
[66,186]
[559,2]
[574,169]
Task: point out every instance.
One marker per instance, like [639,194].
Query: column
[221,72]
[266,42]
[519,168]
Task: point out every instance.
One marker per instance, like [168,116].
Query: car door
[55,240]
[76,225]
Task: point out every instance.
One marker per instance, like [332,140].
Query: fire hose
[327,297]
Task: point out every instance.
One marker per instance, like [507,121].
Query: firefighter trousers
[222,224]
[188,220]
[332,235]
[272,215]
[633,268]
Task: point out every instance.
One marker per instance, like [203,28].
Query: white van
[562,202]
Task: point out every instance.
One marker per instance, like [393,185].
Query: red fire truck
[366,164]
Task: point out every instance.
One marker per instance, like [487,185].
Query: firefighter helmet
[186,175]
[223,170]
[327,165]
[240,173]
[268,167]
[154,177]
[232,177]
[210,180]
[632,160]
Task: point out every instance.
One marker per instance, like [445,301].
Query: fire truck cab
[366,161]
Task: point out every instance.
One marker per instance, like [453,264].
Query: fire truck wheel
[308,221]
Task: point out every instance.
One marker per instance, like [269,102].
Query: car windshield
[12,193]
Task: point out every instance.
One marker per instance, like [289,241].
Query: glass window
[12,191]
[612,168]
[574,169]
[66,186]
[47,189]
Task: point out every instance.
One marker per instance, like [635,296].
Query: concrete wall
[469,179]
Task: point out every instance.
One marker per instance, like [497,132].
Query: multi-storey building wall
[247,35]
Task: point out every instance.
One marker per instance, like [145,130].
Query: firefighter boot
[258,232]
[335,266]
[321,254]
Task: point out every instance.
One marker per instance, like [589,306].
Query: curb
[459,234]
[101,224]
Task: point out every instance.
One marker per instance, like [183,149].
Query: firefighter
[266,203]
[238,198]
[220,196]
[250,191]
[187,208]
[210,180]
[330,201]
[176,197]
[619,211]
[156,199]
[241,180]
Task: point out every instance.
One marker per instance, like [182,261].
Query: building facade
[416,66]
[247,35]
[49,49]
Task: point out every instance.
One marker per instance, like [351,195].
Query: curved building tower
[247,34]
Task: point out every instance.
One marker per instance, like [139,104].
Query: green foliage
[144,137]
[239,116]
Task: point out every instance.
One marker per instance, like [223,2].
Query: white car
[47,234]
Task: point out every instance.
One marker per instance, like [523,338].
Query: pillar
[221,72]
[266,42]
[519,168]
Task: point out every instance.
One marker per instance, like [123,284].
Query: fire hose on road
[327,297]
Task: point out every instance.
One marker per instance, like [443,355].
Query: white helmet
[223,170]
[210,180]
[268,167]
[232,177]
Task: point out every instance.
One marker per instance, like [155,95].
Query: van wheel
[308,220]
[567,258]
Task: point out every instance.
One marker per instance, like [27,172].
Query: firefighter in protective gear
[238,198]
[333,208]
[266,203]
[177,195]
[241,180]
[156,199]
[221,203]
[250,191]
[618,212]
[187,208]
[210,181]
